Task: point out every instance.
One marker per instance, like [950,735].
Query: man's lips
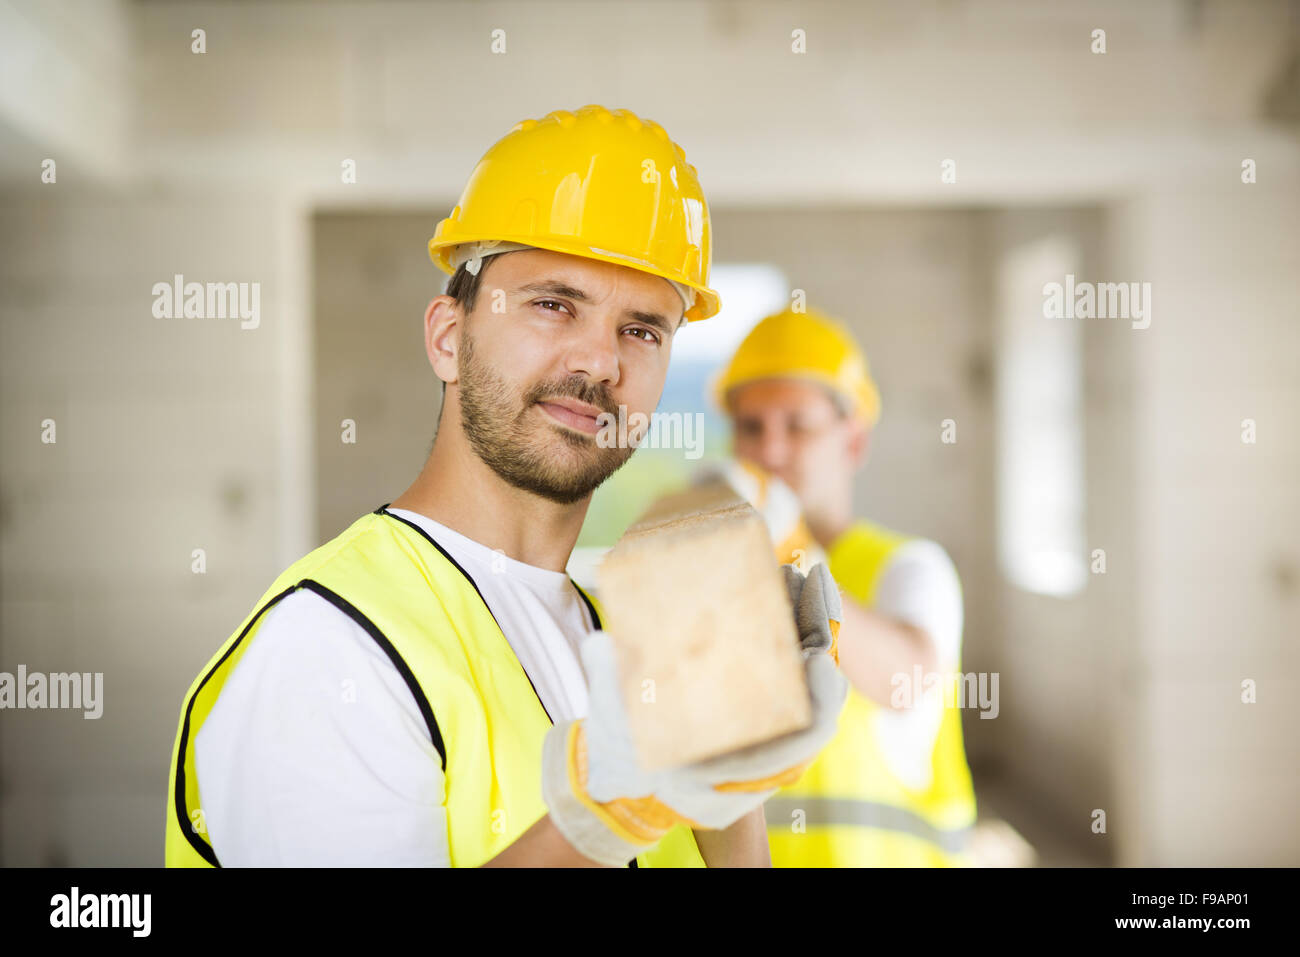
[574,414]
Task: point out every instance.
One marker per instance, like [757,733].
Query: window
[1041,545]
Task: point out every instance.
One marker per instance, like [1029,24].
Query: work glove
[817,609]
[611,809]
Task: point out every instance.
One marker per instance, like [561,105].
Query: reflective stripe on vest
[428,615]
[850,808]
[832,812]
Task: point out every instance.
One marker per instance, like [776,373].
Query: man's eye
[550,302]
[646,335]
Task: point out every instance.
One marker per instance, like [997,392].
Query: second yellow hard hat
[803,345]
[602,184]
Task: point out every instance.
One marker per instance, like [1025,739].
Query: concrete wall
[171,435]
[1205,777]
[372,282]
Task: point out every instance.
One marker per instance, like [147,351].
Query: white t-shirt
[315,753]
[919,586]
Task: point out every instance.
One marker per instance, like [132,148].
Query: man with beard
[430,687]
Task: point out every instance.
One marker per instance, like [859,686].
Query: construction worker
[893,788]
[430,687]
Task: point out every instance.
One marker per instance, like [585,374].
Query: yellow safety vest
[479,706]
[849,809]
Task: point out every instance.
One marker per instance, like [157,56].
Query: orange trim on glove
[779,780]
[641,820]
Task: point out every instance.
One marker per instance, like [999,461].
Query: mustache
[574,387]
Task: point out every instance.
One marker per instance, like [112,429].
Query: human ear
[442,327]
[859,442]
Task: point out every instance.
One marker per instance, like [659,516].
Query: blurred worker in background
[892,788]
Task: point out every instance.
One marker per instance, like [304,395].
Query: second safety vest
[849,809]
[479,706]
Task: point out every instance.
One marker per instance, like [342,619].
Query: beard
[547,459]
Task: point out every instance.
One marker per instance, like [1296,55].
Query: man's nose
[595,356]
[771,448]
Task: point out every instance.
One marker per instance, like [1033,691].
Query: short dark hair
[463,286]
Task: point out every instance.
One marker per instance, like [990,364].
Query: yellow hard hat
[803,345]
[597,183]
